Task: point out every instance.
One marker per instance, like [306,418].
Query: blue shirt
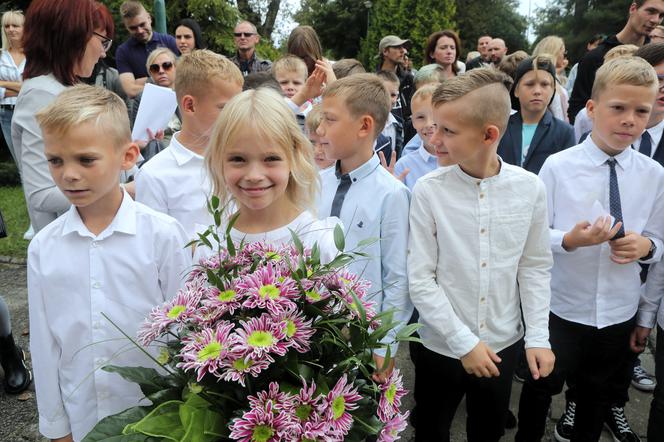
[132,55]
[375,206]
[420,162]
[527,134]
[412,145]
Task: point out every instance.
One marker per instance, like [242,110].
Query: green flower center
[242,365]
[291,328]
[338,407]
[262,433]
[163,356]
[313,295]
[176,311]
[269,291]
[210,351]
[303,412]
[260,339]
[226,295]
[391,393]
[273,255]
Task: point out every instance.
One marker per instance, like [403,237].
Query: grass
[15,213]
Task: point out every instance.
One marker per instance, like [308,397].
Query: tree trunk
[265,28]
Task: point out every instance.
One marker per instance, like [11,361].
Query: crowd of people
[519,206]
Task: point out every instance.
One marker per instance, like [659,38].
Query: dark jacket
[252,66]
[476,62]
[552,135]
[585,77]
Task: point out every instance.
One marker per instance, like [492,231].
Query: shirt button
[482,325]
[482,299]
[96,285]
[94,244]
[482,231]
[481,195]
[483,264]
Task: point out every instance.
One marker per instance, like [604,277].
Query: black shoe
[565,426]
[12,360]
[617,424]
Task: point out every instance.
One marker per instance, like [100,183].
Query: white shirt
[375,207]
[9,72]
[655,135]
[586,286]
[478,250]
[582,124]
[390,131]
[74,277]
[176,183]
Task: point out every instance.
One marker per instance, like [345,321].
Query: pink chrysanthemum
[176,311]
[237,366]
[393,428]
[337,404]
[266,289]
[223,301]
[391,392]
[261,425]
[261,336]
[298,329]
[205,351]
[281,402]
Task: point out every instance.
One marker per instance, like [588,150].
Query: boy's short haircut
[363,94]
[425,92]
[347,66]
[289,63]
[510,62]
[197,70]
[653,53]
[82,104]
[620,51]
[631,71]
[261,79]
[131,9]
[489,89]
[388,76]
[431,73]
[313,119]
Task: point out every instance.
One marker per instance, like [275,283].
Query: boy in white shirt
[107,257]
[595,283]
[174,182]
[478,255]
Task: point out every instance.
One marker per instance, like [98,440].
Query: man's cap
[392,40]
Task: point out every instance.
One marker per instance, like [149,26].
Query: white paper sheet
[597,211]
[157,107]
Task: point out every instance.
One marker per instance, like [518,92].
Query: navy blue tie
[646,144]
[340,195]
[614,197]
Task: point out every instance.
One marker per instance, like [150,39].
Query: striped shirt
[9,72]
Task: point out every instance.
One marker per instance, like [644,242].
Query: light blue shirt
[375,206]
[412,145]
[527,134]
[419,163]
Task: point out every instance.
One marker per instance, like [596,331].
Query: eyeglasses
[166,66]
[243,34]
[105,41]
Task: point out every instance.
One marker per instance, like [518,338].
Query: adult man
[133,53]
[483,48]
[644,16]
[246,38]
[392,52]
[497,50]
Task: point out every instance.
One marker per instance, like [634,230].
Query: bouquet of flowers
[264,344]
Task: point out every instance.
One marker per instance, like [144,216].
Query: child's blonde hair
[424,92]
[82,104]
[363,94]
[264,112]
[632,71]
[488,89]
[313,119]
[430,74]
[549,45]
[198,69]
[289,63]
[620,51]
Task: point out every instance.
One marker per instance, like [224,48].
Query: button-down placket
[484,210]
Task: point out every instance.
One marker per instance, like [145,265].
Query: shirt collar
[656,132]
[124,220]
[598,157]
[426,156]
[362,171]
[181,154]
[477,181]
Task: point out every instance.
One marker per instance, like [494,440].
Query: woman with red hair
[63,40]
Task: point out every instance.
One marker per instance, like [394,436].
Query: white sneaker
[29,234]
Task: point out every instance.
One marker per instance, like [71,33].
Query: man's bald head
[497,50]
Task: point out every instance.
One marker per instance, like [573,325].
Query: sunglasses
[243,34]
[166,66]
[105,41]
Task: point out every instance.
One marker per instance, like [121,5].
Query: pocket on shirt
[509,233]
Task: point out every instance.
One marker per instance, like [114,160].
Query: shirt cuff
[557,241]
[646,319]
[54,429]
[537,338]
[462,343]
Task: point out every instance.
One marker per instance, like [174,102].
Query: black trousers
[599,357]
[441,383]
[656,418]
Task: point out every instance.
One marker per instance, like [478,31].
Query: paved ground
[18,419]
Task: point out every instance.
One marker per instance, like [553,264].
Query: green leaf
[214,202]
[200,422]
[148,379]
[386,361]
[407,331]
[366,242]
[109,429]
[359,306]
[297,242]
[217,218]
[339,239]
[164,421]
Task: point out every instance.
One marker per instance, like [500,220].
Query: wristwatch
[651,252]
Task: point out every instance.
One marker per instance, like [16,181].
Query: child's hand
[380,375]
[326,67]
[584,234]
[67,438]
[629,248]
[638,339]
[481,361]
[393,162]
[540,362]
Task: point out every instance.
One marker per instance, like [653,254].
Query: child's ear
[367,127]
[130,155]
[590,109]
[188,104]
[491,134]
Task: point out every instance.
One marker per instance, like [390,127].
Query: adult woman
[303,42]
[63,41]
[554,47]
[12,62]
[443,48]
[188,36]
